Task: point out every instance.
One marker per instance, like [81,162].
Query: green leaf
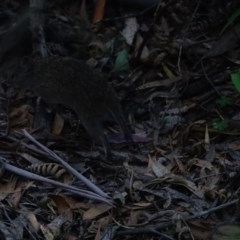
[224,101]
[219,125]
[229,231]
[235,77]
[231,20]
[121,63]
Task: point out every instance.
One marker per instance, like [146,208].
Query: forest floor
[175,66]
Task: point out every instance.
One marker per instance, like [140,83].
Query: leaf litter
[172,66]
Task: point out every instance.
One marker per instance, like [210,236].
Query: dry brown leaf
[142,205]
[163,83]
[53,229]
[200,230]
[134,217]
[178,180]
[63,207]
[33,221]
[15,197]
[20,117]
[98,11]
[207,139]
[71,237]
[7,188]
[95,211]
[74,204]
[31,159]
[58,124]
[98,233]
[137,169]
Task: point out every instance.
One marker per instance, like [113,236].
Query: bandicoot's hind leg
[96,130]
